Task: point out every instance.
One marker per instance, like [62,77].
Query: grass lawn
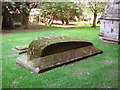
[100,71]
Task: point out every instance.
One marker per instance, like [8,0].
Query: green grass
[100,71]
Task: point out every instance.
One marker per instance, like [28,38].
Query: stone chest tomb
[52,51]
[110,22]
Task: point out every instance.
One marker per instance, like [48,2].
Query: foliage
[63,11]
[8,12]
[16,11]
[96,7]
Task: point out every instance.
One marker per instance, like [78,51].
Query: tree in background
[63,11]
[8,13]
[16,11]
[96,7]
[26,8]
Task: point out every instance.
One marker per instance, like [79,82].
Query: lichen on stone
[22,47]
[37,46]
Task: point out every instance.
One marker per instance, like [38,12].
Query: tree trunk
[1,18]
[53,20]
[5,23]
[67,21]
[94,20]
[62,21]
[8,22]
[95,17]
[37,19]
[12,26]
[50,20]
[25,21]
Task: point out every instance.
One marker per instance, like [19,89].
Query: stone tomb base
[45,53]
[110,42]
[110,31]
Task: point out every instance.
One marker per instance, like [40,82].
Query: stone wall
[110,23]
[110,29]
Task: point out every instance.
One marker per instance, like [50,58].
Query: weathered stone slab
[48,52]
[42,63]
[17,50]
[53,44]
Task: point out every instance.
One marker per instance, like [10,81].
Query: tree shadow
[73,27]
[62,24]
[32,27]
[41,27]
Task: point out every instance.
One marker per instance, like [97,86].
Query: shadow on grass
[80,27]
[40,27]
[62,24]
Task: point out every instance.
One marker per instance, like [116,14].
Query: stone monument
[45,53]
[110,22]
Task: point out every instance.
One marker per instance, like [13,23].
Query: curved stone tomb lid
[37,46]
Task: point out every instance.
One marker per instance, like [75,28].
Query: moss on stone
[37,63]
[22,47]
[37,46]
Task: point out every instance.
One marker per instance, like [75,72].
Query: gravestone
[48,52]
[110,22]
[17,50]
